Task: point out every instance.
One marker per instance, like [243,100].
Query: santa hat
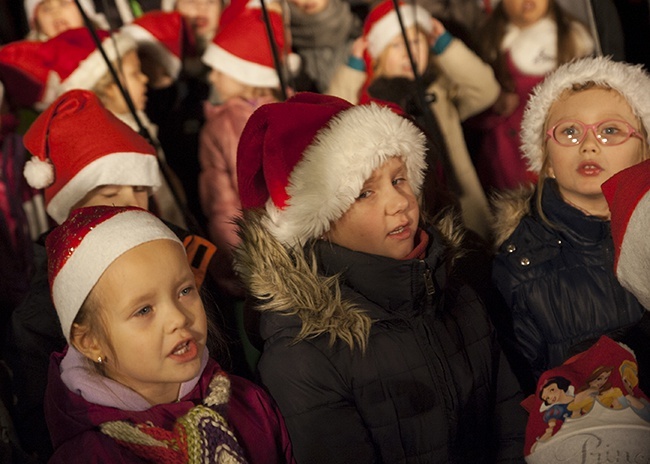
[631,81]
[161,35]
[85,245]
[78,145]
[24,72]
[76,62]
[31,5]
[241,48]
[305,160]
[628,195]
[382,24]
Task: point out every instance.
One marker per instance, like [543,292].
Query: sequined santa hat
[631,81]
[161,35]
[241,48]
[628,195]
[305,160]
[78,145]
[86,244]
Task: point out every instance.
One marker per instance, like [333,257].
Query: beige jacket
[465,87]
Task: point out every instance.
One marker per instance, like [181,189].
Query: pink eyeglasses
[608,132]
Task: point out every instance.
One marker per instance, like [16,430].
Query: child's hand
[358,47]
[437,30]
[506,104]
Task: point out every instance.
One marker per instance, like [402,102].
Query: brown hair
[494,29]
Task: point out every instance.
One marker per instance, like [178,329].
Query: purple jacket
[73,422]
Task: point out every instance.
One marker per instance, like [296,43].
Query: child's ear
[85,342]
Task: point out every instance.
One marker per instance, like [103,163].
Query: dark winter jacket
[76,436]
[432,384]
[557,279]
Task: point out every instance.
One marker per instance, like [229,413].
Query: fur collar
[509,207]
[287,281]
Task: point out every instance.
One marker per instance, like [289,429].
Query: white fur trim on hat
[631,81]
[168,5]
[94,67]
[333,169]
[246,72]
[387,28]
[99,248]
[30,8]
[148,42]
[633,266]
[135,169]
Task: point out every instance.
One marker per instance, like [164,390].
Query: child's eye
[186,291]
[144,311]
[140,188]
[398,181]
[364,194]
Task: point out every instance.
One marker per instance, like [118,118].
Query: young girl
[583,124]
[108,165]
[243,80]
[136,383]
[374,348]
[48,18]
[523,41]
[462,85]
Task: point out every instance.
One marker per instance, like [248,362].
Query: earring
[100,360]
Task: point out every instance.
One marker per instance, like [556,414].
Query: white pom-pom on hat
[39,173]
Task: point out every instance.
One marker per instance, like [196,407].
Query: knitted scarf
[322,40]
[201,435]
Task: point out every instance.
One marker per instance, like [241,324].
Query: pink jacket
[218,178]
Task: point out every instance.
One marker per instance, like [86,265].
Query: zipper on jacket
[428,282]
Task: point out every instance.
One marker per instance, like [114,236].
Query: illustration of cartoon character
[630,376]
[557,396]
[596,387]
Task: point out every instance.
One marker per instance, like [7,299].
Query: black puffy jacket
[432,385]
[559,280]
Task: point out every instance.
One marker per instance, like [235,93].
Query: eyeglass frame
[632,132]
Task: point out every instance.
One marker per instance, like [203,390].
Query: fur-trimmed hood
[287,281]
[509,207]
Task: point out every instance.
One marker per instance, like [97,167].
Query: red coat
[74,422]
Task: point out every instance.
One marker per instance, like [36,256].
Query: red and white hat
[85,245]
[24,72]
[78,145]
[382,25]
[631,81]
[306,159]
[160,34]
[76,62]
[241,48]
[628,195]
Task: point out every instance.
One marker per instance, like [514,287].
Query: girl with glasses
[583,124]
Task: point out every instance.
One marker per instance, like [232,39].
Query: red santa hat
[160,34]
[75,61]
[305,160]
[628,195]
[85,245]
[78,145]
[241,48]
[24,73]
[631,81]
[382,24]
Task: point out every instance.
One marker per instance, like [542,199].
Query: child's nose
[590,143]
[177,318]
[398,202]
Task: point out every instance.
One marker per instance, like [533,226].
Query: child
[462,85]
[583,124]
[110,165]
[136,383]
[374,348]
[322,33]
[243,79]
[202,17]
[523,41]
[48,18]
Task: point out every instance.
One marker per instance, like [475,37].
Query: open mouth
[182,348]
[399,230]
